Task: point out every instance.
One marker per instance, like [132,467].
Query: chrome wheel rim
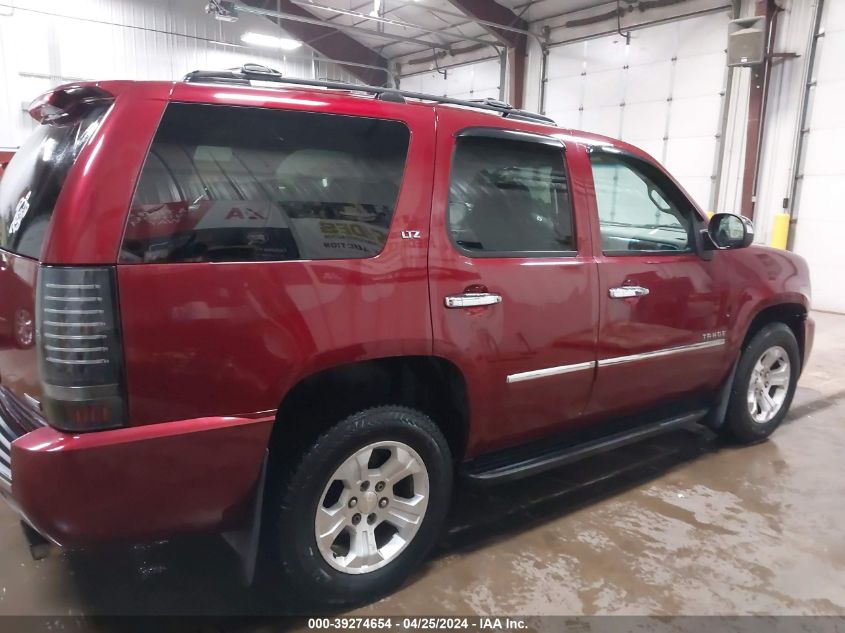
[24,330]
[769,384]
[372,507]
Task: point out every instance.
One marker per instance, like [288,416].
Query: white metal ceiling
[438,15]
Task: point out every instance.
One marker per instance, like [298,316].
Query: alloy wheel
[372,507]
[769,384]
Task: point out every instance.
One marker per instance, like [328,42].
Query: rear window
[34,178]
[230,183]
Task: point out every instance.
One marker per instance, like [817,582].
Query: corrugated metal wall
[472,81]
[44,43]
[47,42]
[664,93]
[821,190]
[821,170]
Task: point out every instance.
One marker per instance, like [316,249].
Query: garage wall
[664,93]
[478,80]
[44,43]
[821,186]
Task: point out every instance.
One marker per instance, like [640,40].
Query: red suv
[310,306]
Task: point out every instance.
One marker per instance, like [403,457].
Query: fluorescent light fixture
[270,41]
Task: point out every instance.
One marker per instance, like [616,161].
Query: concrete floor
[678,525]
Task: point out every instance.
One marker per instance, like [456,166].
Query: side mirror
[729,230]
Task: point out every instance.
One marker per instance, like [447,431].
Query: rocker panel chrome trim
[550,371]
[669,351]
[616,360]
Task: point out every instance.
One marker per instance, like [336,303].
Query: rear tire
[764,384]
[364,506]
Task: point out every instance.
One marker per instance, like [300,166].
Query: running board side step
[509,465]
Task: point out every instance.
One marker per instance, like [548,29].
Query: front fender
[762,278]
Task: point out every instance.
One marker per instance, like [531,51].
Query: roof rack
[255,72]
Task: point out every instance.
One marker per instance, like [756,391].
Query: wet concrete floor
[678,525]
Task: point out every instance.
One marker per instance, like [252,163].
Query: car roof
[281,92]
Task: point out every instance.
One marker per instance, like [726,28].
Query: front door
[512,279]
[663,309]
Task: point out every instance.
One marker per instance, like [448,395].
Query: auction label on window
[335,239]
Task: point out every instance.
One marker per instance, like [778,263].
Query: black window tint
[34,178]
[226,183]
[509,197]
[639,209]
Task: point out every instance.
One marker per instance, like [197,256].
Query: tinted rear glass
[229,183]
[34,178]
[509,197]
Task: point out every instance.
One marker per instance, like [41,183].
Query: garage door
[663,93]
[821,218]
[473,81]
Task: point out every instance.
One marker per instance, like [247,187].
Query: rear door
[512,278]
[664,310]
[265,243]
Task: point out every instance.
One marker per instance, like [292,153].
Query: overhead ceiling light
[270,41]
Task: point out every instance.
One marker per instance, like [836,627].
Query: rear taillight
[80,351]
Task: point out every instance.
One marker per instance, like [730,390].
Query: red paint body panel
[139,483]
[248,332]
[762,277]
[546,319]
[90,214]
[211,349]
[688,297]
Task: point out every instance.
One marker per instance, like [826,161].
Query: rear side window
[509,198]
[34,178]
[229,183]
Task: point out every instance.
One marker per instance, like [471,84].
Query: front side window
[510,198]
[639,210]
[228,183]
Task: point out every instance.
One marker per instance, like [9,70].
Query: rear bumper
[140,483]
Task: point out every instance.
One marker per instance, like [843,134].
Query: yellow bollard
[780,230]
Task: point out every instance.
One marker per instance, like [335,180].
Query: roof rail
[255,72]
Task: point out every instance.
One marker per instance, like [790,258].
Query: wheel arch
[431,384]
[790,313]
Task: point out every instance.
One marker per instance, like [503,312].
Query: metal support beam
[488,13]
[366,17]
[758,95]
[329,41]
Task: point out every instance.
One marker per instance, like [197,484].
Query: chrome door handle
[472,299]
[623,292]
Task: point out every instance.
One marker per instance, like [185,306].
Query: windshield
[31,183]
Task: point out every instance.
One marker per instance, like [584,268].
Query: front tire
[364,506]
[764,384]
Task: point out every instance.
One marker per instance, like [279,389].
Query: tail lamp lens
[80,350]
